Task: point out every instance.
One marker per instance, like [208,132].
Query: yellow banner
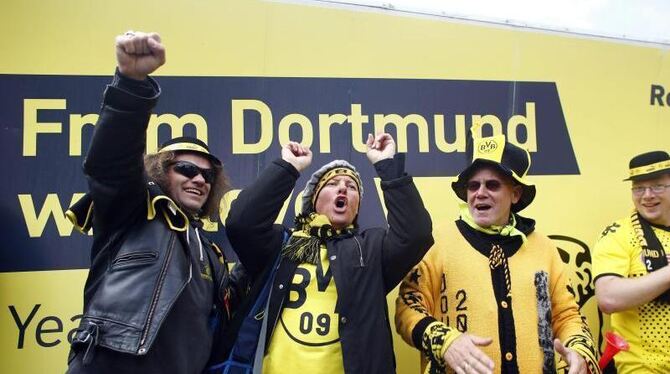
[39,312]
[614,96]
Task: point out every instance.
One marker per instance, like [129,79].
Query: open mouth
[341,202]
[482,207]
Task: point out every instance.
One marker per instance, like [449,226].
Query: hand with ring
[139,54]
[464,355]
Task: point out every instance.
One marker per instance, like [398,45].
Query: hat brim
[215,161]
[528,190]
[208,156]
[647,176]
[190,147]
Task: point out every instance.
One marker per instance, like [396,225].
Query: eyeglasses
[491,185]
[655,189]
[190,170]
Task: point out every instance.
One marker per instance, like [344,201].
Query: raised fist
[297,155]
[139,54]
[380,147]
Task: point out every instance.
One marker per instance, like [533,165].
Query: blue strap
[241,358]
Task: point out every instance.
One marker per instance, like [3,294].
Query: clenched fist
[139,54]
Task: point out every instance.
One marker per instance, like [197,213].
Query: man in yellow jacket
[492,294]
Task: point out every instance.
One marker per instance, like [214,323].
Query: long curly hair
[156,166]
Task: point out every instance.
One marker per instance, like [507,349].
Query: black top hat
[189,144]
[509,159]
[648,165]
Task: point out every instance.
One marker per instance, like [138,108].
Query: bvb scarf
[508,230]
[310,232]
[497,257]
[652,250]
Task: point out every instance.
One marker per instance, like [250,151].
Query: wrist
[391,168]
[130,75]
[436,339]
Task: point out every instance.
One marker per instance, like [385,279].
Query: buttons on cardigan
[343,320]
[333,258]
[503,304]
[509,356]
[281,286]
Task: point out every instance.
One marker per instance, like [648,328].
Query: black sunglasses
[190,170]
[491,185]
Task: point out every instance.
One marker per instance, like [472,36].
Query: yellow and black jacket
[455,289]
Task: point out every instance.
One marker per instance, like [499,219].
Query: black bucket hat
[648,165]
[189,144]
[509,159]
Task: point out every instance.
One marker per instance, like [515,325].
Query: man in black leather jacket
[156,293]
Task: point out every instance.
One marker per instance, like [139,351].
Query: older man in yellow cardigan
[492,294]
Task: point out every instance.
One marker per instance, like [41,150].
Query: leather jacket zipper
[157,291]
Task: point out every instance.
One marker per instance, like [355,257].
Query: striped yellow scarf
[310,232]
[506,230]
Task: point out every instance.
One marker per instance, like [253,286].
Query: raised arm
[409,234]
[114,162]
[250,223]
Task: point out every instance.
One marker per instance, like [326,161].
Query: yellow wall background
[604,87]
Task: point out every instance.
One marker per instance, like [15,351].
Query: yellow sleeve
[610,257]
[415,299]
[568,324]
[435,341]
[413,319]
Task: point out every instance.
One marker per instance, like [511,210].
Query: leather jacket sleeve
[114,163]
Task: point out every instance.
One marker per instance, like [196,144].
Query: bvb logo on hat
[511,160]
[488,145]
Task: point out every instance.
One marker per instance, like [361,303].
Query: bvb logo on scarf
[652,249]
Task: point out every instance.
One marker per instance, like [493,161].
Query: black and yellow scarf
[310,232]
[652,249]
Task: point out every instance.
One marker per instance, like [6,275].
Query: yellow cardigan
[453,284]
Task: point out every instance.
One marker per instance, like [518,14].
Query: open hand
[575,361]
[464,356]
